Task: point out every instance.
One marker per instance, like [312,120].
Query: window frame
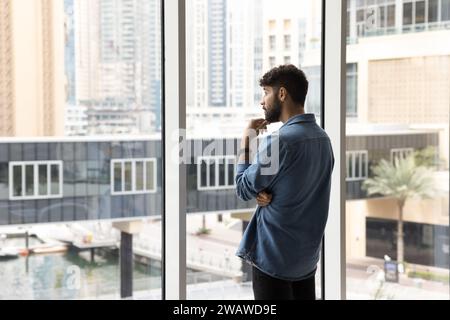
[393,151]
[208,187]
[333,120]
[133,190]
[359,154]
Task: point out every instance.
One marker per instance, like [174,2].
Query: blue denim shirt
[283,239]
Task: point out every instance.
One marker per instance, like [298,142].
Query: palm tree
[401,180]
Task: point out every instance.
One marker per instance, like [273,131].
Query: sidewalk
[365,277]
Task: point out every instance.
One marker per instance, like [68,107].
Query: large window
[80,149]
[397,212]
[259,35]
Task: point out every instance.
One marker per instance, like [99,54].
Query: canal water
[72,275]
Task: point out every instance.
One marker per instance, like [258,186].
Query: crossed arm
[250,182]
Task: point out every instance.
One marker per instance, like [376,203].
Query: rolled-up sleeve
[257,176]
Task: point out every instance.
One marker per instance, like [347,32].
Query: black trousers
[266,287]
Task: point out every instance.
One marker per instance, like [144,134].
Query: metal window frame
[334,16]
[174,193]
[35,165]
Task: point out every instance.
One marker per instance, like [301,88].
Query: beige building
[283,34]
[32,93]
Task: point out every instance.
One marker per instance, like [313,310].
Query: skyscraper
[69,52]
[118,64]
[244,47]
[224,54]
[217,53]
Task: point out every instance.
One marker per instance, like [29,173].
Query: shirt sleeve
[252,178]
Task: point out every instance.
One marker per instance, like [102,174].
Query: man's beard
[274,114]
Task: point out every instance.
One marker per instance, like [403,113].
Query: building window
[287,60]
[401,153]
[216,172]
[433,10]
[420,12]
[272,42]
[287,24]
[133,176]
[287,42]
[357,165]
[407,13]
[272,62]
[352,90]
[35,180]
[272,25]
[445,10]
[390,16]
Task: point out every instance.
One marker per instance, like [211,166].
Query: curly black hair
[289,77]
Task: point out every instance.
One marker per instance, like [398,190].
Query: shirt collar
[306,117]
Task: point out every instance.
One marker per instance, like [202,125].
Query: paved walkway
[364,276]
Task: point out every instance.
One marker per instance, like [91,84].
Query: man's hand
[263,199]
[254,126]
[259,125]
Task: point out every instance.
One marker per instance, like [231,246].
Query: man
[283,239]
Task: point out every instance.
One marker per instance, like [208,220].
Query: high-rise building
[119,64]
[285,41]
[244,42]
[31,90]
[224,54]
[217,53]
[69,52]
[197,53]
[283,37]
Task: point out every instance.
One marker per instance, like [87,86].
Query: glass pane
[381,16]
[150,185]
[445,10]
[94,98]
[29,180]
[433,9]
[420,12]
[128,176]
[255,36]
[139,177]
[391,16]
[363,165]
[407,13]
[117,176]
[54,170]
[17,181]
[231,172]
[203,173]
[352,90]
[212,172]
[357,165]
[43,179]
[221,165]
[351,165]
[397,214]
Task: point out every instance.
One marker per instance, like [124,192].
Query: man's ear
[282,93]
